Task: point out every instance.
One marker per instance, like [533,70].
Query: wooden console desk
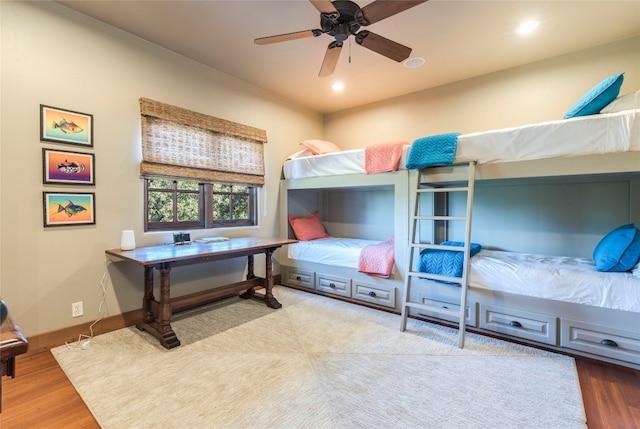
[157,313]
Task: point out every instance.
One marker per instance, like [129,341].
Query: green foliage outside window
[160,207]
[230,202]
[188,205]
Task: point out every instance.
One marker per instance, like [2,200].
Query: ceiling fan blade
[383,46]
[381,9]
[330,59]
[287,36]
[325,7]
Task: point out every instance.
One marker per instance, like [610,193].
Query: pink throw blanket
[377,259]
[382,157]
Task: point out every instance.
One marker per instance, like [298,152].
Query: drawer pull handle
[332,285]
[372,293]
[609,343]
[515,324]
[298,278]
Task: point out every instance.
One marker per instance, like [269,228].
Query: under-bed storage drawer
[531,326]
[445,303]
[333,284]
[297,277]
[374,294]
[604,341]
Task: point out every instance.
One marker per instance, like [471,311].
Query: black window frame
[206,219]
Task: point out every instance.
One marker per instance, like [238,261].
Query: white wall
[536,92]
[54,56]
[563,218]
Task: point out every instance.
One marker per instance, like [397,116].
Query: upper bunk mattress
[331,164]
[586,135]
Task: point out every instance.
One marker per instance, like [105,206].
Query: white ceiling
[458,40]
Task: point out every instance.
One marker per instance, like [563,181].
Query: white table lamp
[128,240]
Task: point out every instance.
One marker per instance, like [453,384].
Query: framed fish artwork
[69,208]
[66,126]
[71,168]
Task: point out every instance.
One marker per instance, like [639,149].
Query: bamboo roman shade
[185,145]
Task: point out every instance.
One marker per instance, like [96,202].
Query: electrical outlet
[76,309]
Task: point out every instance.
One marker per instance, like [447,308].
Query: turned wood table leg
[269,299]
[159,324]
[250,274]
[166,335]
[164,309]
[249,293]
[147,314]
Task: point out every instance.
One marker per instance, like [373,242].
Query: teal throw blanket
[432,150]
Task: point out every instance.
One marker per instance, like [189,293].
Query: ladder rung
[440,310]
[437,246]
[430,276]
[422,217]
[455,189]
[454,164]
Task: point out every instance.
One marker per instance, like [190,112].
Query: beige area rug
[319,363]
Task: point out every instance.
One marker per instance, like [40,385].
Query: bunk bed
[330,263]
[588,312]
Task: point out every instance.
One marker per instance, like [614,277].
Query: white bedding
[595,134]
[585,135]
[332,164]
[341,252]
[559,278]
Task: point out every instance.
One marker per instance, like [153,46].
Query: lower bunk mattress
[559,278]
[338,252]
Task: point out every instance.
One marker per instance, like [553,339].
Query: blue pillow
[597,97]
[619,250]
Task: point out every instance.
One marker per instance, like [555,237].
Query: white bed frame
[567,327]
[573,328]
[342,282]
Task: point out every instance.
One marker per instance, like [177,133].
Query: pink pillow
[307,228]
[318,147]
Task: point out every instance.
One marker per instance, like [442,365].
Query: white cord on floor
[84,341]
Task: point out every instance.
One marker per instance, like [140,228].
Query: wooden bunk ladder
[416,245]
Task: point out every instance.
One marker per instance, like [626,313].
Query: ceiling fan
[343,18]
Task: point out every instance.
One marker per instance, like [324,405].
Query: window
[233,205]
[172,205]
[178,204]
[199,171]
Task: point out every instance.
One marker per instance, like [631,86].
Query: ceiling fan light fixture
[414,63]
[338,86]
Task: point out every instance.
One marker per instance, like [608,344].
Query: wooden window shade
[185,145]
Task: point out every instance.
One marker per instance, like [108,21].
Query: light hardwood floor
[41,396]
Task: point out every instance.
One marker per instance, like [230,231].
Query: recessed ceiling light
[414,62]
[527,27]
[338,86]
